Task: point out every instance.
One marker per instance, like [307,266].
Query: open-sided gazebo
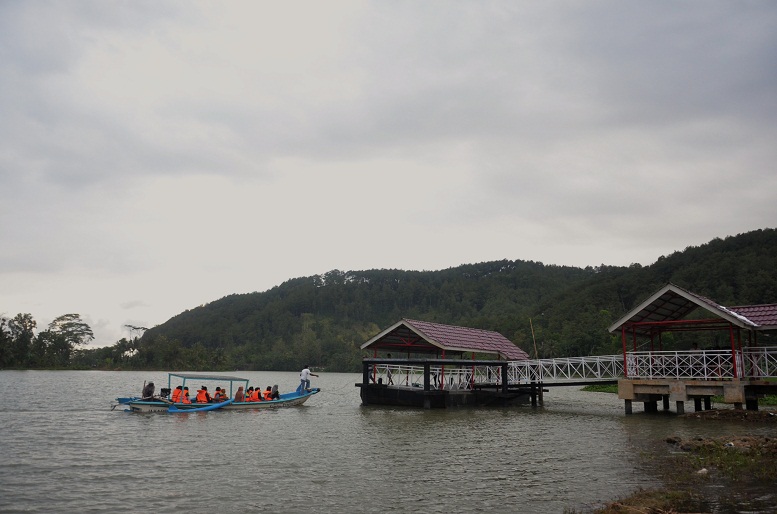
[667,310]
[738,371]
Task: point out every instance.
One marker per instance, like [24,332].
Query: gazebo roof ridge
[672,303]
[429,337]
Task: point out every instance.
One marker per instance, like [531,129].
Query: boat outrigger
[162,402]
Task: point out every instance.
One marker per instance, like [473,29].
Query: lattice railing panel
[760,362]
[696,365]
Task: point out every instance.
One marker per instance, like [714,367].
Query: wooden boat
[162,402]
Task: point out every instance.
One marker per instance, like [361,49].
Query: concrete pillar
[665,401]
[627,404]
[680,407]
[696,404]
[707,403]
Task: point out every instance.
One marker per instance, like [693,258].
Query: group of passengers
[181,395]
[257,395]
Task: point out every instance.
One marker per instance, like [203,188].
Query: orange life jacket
[267,394]
[185,399]
[219,396]
[256,396]
[202,396]
[177,395]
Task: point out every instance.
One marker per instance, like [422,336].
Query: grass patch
[601,388]
[737,457]
[731,464]
[657,501]
[769,399]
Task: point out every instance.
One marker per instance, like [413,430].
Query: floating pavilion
[425,364]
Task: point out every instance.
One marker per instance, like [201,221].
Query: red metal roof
[673,303]
[426,337]
[765,316]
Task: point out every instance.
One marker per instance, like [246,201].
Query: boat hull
[286,400]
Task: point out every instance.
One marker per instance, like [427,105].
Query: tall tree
[22,328]
[6,354]
[64,334]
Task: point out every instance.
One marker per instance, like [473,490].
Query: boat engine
[164,392]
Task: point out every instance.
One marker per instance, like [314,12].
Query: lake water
[63,449]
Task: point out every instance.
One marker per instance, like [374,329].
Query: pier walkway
[649,376]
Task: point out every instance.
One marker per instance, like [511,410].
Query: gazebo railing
[693,364]
[441,377]
[760,362]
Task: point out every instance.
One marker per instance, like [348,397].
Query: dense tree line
[545,309]
[21,347]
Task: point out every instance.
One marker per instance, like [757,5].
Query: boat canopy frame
[211,378]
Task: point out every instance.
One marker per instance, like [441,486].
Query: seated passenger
[256,395]
[240,396]
[203,396]
[268,393]
[185,397]
[275,394]
[148,390]
[177,394]
[219,395]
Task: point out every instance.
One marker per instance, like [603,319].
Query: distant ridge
[323,319]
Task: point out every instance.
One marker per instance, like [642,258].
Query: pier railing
[752,363]
[602,368]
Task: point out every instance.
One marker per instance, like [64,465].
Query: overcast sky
[156,156]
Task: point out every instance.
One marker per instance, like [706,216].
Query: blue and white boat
[162,402]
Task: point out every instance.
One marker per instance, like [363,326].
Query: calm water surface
[64,450]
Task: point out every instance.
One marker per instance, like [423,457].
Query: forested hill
[324,319]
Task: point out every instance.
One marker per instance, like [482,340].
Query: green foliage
[323,319]
[601,388]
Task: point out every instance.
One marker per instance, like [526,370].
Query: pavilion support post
[665,401]
[427,381]
[504,377]
[623,340]
[680,405]
[365,373]
[696,404]
[733,350]
[707,403]
[627,404]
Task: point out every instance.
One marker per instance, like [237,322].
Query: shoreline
[729,473]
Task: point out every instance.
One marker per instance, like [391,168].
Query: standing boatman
[304,379]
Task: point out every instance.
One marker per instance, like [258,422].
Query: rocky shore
[726,474]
